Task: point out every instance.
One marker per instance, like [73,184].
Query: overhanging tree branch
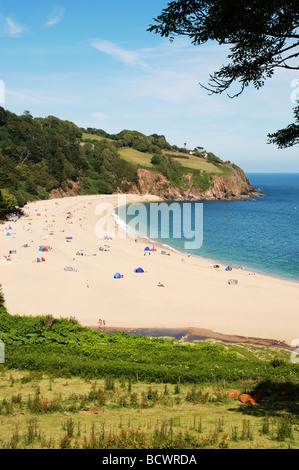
[259,34]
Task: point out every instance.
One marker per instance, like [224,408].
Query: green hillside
[41,157]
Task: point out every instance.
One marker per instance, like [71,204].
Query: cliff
[232,186]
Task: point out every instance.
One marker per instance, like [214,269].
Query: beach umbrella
[117,276]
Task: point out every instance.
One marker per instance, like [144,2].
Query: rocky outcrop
[232,186]
[72,190]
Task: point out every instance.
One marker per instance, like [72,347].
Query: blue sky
[94,63]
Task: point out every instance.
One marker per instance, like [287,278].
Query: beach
[76,278]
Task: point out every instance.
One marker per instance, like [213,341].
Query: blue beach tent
[147,248]
[117,276]
[139,270]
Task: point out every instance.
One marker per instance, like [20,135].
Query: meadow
[143,159]
[135,157]
[187,161]
[46,412]
[196,163]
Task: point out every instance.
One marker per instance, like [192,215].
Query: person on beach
[87,284]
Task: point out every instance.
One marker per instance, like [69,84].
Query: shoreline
[197,299]
[160,244]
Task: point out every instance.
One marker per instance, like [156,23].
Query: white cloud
[126,56]
[55,16]
[12,28]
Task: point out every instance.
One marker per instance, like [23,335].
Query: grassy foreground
[41,411]
[66,386]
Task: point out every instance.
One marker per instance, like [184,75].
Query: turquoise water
[261,235]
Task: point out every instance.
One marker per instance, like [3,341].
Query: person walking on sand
[87,284]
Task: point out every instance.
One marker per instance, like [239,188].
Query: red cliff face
[223,187]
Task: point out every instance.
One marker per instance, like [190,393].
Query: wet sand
[198,334]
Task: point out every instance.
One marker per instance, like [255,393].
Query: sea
[260,235]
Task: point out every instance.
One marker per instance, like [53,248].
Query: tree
[8,202]
[289,136]
[263,36]
[156,159]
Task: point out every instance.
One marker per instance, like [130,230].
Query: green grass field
[135,157]
[92,137]
[39,411]
[144,159]
[196,163]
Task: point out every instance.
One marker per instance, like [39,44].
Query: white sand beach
[195,295]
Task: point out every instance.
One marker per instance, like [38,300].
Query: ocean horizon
[260,235]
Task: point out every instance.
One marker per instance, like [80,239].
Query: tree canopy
[263,36]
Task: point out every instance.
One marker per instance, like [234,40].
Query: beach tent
[8,234]
[229,268]
[147,248]
[39,260]
[117,276]
[139,270]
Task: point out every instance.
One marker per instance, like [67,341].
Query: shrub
[2,300]
[49,320]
